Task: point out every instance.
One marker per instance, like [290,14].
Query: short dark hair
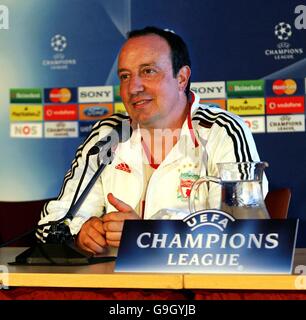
[179,51]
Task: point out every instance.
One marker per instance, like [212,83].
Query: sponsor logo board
[26,112]
[209,90]
[284,105]
[95,111]
[26,130]
[60,95]
[117,96]
[245,88]
[25,95]
[251,106]
[61,129]
[286,123]
[95,94]
[220,103]
[288,87]
[119,108]
[61,112]
[285,87]
[256,124]
[85,127]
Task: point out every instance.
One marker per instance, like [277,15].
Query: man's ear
[183,77]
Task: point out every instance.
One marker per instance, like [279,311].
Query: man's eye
[148,71]
[123,77]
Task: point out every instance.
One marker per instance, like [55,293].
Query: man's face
[148,88]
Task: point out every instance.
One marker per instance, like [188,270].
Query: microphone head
[124,131]
[119,133]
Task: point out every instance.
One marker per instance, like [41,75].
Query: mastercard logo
[281,87]
[62,95]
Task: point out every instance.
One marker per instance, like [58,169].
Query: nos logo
[253,124]
[4,17]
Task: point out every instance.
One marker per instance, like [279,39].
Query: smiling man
[151,91]
[175,141]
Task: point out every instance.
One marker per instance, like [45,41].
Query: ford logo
[95,111]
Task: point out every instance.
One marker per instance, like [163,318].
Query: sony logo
[213,89]
[95,94]
[207,89]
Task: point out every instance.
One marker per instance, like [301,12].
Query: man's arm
[113,221]
[94,204]
[98,233]
[91,237]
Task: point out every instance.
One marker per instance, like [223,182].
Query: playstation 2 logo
[4,17]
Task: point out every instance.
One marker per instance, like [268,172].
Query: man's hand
[113,221]
[92,236]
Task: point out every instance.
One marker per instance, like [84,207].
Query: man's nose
[135,85]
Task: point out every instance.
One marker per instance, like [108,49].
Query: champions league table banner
[58,76]
[208,241]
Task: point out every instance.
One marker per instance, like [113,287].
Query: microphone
[59,248]
[60,232]
[119,133]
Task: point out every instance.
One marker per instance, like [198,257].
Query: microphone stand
[61,249]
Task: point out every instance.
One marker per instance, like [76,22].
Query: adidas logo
[123,166]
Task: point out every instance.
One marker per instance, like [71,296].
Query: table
[135,285]
[90,276]
[250,287]
[254,282]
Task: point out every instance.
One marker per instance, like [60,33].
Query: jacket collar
[131,151]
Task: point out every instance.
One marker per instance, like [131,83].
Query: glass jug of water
[241,189]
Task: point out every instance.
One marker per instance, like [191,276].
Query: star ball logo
[4,17]
[59,43]
[283,31]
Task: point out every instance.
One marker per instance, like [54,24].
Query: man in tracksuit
[175,141]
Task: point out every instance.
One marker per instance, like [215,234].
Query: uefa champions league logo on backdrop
[59,61]
[284,50]
[283,31]
[59,43]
